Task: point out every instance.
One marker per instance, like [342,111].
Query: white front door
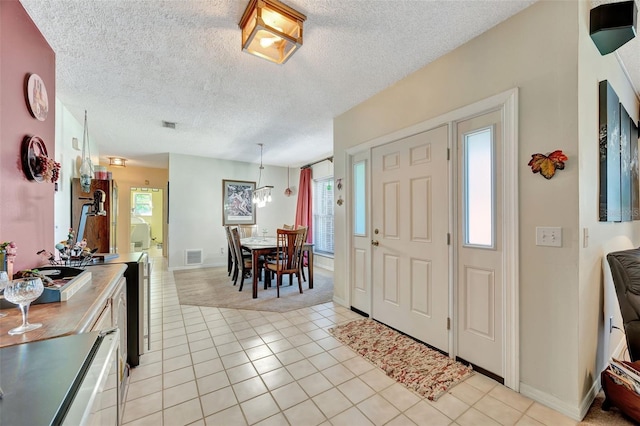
[479,283]
[361,234]
[410,219]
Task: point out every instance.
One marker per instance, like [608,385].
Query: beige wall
[136,177]
[536,51]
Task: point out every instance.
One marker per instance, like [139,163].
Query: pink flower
[10,248]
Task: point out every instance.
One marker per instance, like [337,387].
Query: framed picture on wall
[237,207]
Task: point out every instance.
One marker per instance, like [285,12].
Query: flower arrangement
[10,248]
[49,168]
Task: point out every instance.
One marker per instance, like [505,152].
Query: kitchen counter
[63,318]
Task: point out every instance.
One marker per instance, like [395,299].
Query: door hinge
[448,154]
[448,239]
[448,323]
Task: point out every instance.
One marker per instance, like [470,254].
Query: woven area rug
[213,287]
[410,363]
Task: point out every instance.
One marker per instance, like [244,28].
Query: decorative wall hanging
[547,165]
[86,167]
[237,205]
[37,100]
[619,198]
[36,164]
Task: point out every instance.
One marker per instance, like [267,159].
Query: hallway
[215,366]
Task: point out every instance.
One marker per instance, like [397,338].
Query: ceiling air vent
[168,124]
[193,257]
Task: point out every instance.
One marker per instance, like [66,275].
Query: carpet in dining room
[213,287]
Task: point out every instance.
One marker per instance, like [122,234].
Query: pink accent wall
[26,207]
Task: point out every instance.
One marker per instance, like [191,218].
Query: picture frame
[237,205]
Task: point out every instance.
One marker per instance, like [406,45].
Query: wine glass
[4,280]
[264,234]
[22,292]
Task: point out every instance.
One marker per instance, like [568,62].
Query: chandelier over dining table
[262,194]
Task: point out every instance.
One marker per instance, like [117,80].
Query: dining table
[260,246]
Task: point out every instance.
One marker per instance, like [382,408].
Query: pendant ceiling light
[271,30]
[262,194]
[86,167]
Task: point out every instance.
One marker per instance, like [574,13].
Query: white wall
[195,204]
[67,127]
[537,51]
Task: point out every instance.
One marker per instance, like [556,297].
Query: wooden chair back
[289,249]
[247,231]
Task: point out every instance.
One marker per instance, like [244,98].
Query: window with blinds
[323,215]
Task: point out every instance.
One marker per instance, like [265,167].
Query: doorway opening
[147,220]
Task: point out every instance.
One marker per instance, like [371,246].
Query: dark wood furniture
[100,231]
[259,246]
[288,258]
[627,401]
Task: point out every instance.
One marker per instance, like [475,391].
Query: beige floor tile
[174,341]
[473,417]
[266,364]
[315,384]
[548,416]
[224,338]
[212,382]
[511,398]
[481,382]
[290,331]
[200,345]
[343,353]
[401,397]
[466,393]
[218,400]
[272,336]
[208,367]
[143,372]
[337,374]
[378,409]
[498,410]
[350,417]
[356,390]
[245,334]
[275,420]
[289,395]
[258,352]
[142,407]
[241,372]
[229,348]
[401,420]
[204,355]
[322,360]
[289,356]
[317,334]
[299,339]
[358,365]
[169,353]
[234,359]
[251,342]
[154,419]
[310,349]
[259,408]
[305,413]
[377,379]
[177,377]
[279,345]
[332,402]
[230,417]
[528,421]
[178,331]
[451,406]
[144,387]
[301,369]
[249,389]
[179,394]
[424,414]
[150,357]
[198,335]
[276,378]
[329,343]
[196,327]
[177,363]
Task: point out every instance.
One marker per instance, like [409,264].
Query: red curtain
[304,210]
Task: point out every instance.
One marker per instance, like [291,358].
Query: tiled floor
[211,366]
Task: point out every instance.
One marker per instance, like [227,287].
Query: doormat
[413,364]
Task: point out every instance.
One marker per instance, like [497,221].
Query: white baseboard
[574,412]
[208,265]
[340,301]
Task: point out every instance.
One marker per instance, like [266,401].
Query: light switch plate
[549,236]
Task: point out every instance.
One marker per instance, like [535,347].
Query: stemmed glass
[4,280]
[22,292]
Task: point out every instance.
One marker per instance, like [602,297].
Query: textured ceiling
[134,63]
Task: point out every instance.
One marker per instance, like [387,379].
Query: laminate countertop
[76,315]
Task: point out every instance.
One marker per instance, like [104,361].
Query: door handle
[375,243]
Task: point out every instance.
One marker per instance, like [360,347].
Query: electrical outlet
[549,236]
[221,250]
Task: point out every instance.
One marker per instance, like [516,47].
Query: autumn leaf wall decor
[546,165]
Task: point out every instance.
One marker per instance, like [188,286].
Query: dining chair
[231,256]
[304,262]
[287,227]
[247,231]
[288,257]
[244,265]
